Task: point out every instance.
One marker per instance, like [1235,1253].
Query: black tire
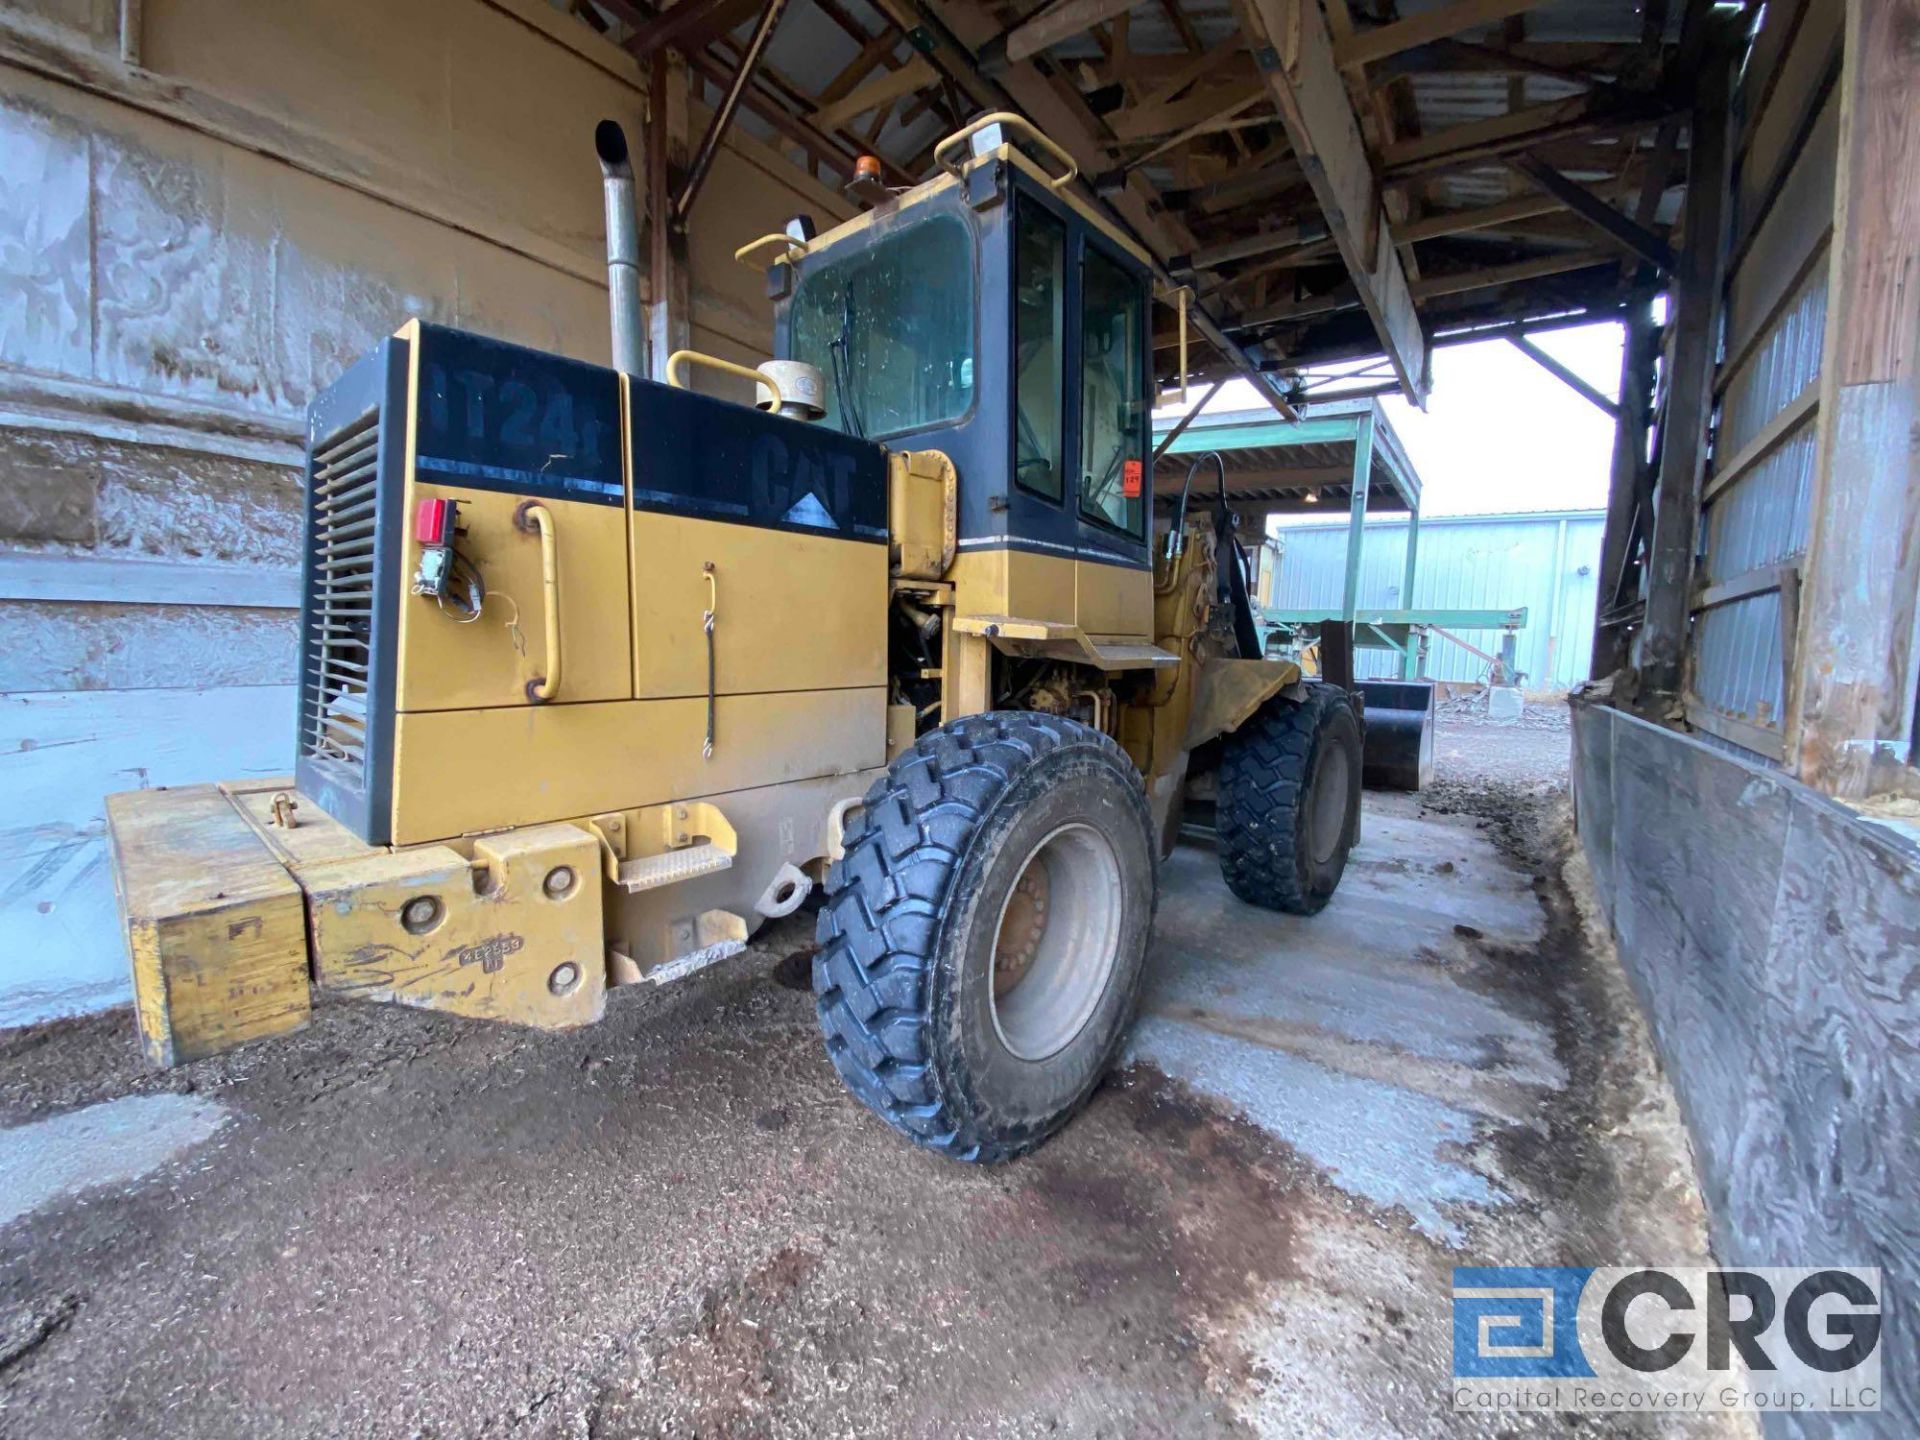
[1290,801]
[905,977]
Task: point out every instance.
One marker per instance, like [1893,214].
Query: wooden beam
[672,27]
[1521,130]
[1180,425]
[1486,217]
[1460,56]
[1699,281]
[1597,212]
[1459,284]
[1061,20]
[1281,237]
[1424,28]
[881,90]
[1628,484]
[670,297]
[1345,297]
[1147,122]
[1574,382]
[1321,125]
[872,55]
[1851,694]
[743,76]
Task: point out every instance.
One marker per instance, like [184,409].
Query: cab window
[1039,350]
[1112,395]
[890,326]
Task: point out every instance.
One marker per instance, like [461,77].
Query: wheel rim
[1055,942]
[1329,812]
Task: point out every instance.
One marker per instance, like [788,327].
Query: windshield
[890,326]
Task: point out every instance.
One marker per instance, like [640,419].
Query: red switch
[433,522]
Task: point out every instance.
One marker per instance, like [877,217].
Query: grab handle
[534,518]
[678,361]
[1010,121]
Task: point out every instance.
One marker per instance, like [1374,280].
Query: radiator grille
[337,648]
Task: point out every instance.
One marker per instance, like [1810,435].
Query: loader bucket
[1399,749]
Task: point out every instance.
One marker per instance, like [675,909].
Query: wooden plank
[1851,700]
[1791,416]
[1145,122]
[670,290]
[881,90]
[1485,217]
[1281,237]
[1521,130]
[1683,430]
[1062,20]
[672,27]
[215,927]
[1422,29]
[1762,580]
[1496,275]
[1325,135]
[873,54]
[1760,739]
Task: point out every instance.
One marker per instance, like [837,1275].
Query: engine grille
[337,650]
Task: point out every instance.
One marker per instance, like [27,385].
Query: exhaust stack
[623,247]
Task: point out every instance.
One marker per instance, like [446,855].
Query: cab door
[1114,596]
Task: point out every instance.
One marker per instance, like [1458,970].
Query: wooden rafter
[1596,211]
[1325,135]
[1061,20]
[880,91]
[1527,129]
[1425,28]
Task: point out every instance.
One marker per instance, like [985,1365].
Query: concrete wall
[1773,937]
[200,224]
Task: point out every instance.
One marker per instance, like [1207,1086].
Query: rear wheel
[1289,808]
[981,943]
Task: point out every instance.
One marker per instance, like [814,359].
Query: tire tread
[879,924]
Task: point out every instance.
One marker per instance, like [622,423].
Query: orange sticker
[1130,475]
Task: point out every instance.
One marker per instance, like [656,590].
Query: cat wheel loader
[598,674]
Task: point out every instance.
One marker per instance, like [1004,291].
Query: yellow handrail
[1012,122]
[680,358]
[533,517]
[795,247]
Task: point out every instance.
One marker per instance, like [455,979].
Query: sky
[1499,433]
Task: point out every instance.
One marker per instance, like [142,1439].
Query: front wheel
[982,941]
[1289,808]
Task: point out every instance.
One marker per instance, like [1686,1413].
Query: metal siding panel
[1466,562]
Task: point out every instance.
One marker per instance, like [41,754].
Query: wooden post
[1357,513]
[1683,435]
[1851,694]
[1410,661]
[1626,490]
[670,311]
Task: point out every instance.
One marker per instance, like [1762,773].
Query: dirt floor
[676,1223]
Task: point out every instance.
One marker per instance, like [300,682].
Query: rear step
[671,867]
